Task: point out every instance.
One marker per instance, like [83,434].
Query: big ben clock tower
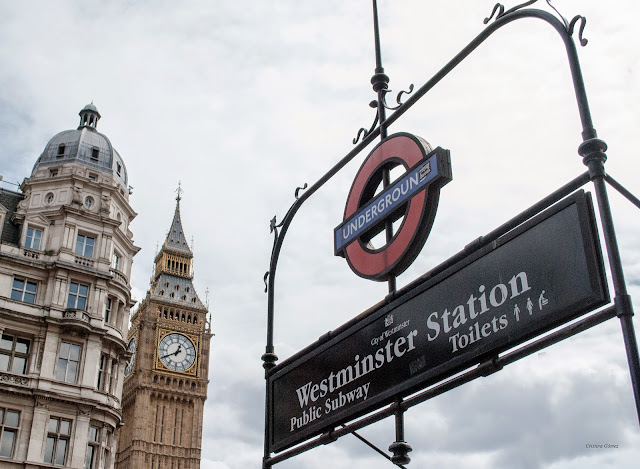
[166,376]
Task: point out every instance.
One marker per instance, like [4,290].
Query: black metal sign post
[427,369]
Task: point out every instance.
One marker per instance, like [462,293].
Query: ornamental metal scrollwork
[273,228]
[498,11]
[398,98]
[374,104]
[364,132]
[583,23]
[298,189]
[499,8]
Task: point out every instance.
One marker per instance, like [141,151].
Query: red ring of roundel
[380,264]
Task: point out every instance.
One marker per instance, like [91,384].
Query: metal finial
[179,191]
[379,79]
[376,32]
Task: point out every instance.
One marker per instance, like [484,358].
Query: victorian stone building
[65,299]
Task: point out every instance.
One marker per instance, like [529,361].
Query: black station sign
[544,273]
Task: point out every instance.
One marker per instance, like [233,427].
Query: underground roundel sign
[408,205]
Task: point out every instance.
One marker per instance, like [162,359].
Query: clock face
[131,348]
[177,352]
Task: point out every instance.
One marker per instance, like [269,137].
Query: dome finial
[89,117]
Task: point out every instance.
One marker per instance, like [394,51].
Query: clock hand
[178,350]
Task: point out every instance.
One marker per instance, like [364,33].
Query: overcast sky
[242,102]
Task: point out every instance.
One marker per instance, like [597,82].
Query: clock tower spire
[167,375]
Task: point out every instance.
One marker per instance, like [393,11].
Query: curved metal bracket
[583,23]
[398,98]
[364,132]
[374,104]
[273,228]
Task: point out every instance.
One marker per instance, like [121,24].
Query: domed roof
[90,107]
[84,145]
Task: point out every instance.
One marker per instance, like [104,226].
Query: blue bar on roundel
[386,202]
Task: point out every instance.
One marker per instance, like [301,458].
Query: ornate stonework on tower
[166,378]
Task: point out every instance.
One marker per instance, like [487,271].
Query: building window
[93,177]
[84,245]
[33,239]
[112,377]
[101,371]
[49,198]
[61,149]
[89,202]
[58,433]
[53,173]
[14,354]
[115,262]
[24,290]
[78,296]
[107,310]
[93,448]
[68,362]
[108,443]
[9,423]
[118,169]
[95,151]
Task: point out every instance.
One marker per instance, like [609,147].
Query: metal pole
[380,83]
[594,157]
[400,448]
